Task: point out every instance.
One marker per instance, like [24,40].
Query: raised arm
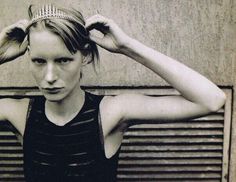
[192,86]
[12,45]
[199,96]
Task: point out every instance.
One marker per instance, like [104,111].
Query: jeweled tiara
[49,11]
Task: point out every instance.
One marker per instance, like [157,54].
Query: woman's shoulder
[112,106]
[14,111]
[117,107]
[10,104]
[120,100]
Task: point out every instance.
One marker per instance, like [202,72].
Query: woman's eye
[63,61]
[39,61]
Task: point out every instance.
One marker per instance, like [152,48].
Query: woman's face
[55,70]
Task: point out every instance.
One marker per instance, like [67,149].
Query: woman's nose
[51,73]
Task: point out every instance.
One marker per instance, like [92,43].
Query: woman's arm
[199,96]
[14,111]
[13,41]
[192,86]
[13,44]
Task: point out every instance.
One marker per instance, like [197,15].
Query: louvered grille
[183,151]
[180,151]
[11,156]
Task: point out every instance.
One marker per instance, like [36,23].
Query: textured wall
[199,33]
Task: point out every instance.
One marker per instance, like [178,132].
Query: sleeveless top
[69,153]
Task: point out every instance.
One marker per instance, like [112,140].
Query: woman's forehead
[44,42]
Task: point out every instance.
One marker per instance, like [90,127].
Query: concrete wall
[199,33]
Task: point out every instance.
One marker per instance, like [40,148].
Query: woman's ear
[28,49]
[86,59]
[87,56]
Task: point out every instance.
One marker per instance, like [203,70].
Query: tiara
[49,11]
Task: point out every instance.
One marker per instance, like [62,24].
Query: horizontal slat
[170,180]
[179,125]
[9,179]
[8,140]
[10,151]
[11,147]
[164,169]
[7,175]
[11,158]
[9,162]
[19,92]
[141,176]
[11,155]
[182,140]
[174,133]
[11,169]
[198,121]
[172,148]
[171,155]
[7,133]
[154,162]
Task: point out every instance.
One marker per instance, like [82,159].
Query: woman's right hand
[13,42]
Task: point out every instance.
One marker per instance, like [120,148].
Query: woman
[72,135]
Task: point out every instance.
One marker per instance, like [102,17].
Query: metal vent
[11,156]
[182,151]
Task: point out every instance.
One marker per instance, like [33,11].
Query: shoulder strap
[96,99]
[29,108]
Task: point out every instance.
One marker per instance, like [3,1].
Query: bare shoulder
[9,105]
[15,111]
[118,103]
[113,110]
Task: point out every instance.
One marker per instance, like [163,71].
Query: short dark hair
[72,31]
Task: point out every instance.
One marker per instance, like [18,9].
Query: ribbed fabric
[69,153]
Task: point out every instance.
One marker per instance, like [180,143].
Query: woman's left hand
[113,39]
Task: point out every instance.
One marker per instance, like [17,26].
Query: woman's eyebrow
[34,58]
[64,57]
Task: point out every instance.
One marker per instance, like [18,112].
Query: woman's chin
[54,97]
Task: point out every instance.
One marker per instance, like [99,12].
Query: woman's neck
[65,110]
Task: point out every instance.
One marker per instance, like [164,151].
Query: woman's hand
[13,41]
[113,39]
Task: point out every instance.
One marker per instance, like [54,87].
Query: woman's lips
[53,90]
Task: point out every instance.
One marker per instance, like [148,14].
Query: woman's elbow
[217,102]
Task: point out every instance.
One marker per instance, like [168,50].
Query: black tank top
[69,153]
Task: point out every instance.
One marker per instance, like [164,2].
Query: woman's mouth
[53,90]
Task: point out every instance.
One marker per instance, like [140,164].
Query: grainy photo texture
[112,91]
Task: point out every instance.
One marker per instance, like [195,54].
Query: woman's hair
[72,31]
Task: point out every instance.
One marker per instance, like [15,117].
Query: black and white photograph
[117,91]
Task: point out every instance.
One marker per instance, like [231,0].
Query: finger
[95,21]
[17,31]
[96,39]
[22,24]
[24,45]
